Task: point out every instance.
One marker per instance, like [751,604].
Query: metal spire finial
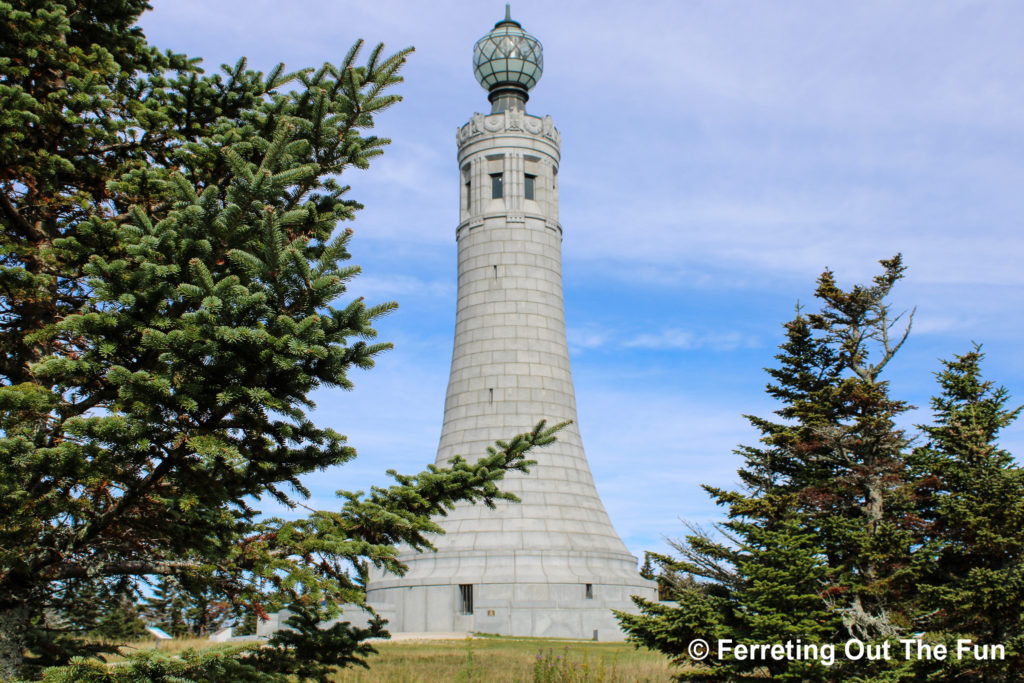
[508,20]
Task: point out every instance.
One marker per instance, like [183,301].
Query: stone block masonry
[551,565]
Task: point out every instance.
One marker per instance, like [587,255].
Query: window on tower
[469,195]
[497,191]
[531,182]
[466,598]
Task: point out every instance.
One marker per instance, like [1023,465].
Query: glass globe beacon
[508,57]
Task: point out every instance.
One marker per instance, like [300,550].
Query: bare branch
[127,568]
[17,219]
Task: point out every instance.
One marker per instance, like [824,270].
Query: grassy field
[172,646]
[504,660]
[485,660]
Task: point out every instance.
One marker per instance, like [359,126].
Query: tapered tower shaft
[551,565]
[510,364]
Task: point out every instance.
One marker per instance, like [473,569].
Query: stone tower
[551,565]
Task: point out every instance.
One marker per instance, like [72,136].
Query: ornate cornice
[509,121]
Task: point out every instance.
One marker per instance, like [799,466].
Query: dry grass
[483,660]
[504,660]
[176,645]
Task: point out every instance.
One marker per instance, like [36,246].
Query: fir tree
[972,561]
[647,568]
[662,571]
[165,608]
[186,610]
[862,510]
[820,533]
[763,581]
[173,288]
[120,622]
[89,616]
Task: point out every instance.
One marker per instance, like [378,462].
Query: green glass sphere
[508,57]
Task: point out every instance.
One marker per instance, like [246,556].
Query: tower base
[518,593]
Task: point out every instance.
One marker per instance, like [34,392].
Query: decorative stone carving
[476,123]
[549,130]
[513,119]
[509,121]
[494,123]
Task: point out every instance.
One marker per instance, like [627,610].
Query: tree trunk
[14,624]
[875,513]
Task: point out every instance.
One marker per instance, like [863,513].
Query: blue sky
[716,157]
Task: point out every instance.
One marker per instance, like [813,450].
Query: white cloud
[394,285]
[587,337]
[859,62]
[594,337]
[683,339]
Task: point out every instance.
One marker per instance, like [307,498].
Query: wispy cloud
[587,337]
[683,339]
[592,337]
[377,286]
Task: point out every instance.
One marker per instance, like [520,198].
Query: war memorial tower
[551,565]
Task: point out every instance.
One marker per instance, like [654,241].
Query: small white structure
[551,565]
[160,635]
[223,635]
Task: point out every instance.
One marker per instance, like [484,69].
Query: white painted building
[553,564]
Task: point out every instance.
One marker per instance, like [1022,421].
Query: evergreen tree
[172,282]
[821,530]
[862,508]
[762,582]
[662,570]
[120,622]
[93,615]
[185,610]
[647,568]
[972,562]
[165,608]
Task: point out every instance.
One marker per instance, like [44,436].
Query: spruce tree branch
[127,568]
[74,409]
[150,211]
[130,497]
[18,220]
[134,493]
